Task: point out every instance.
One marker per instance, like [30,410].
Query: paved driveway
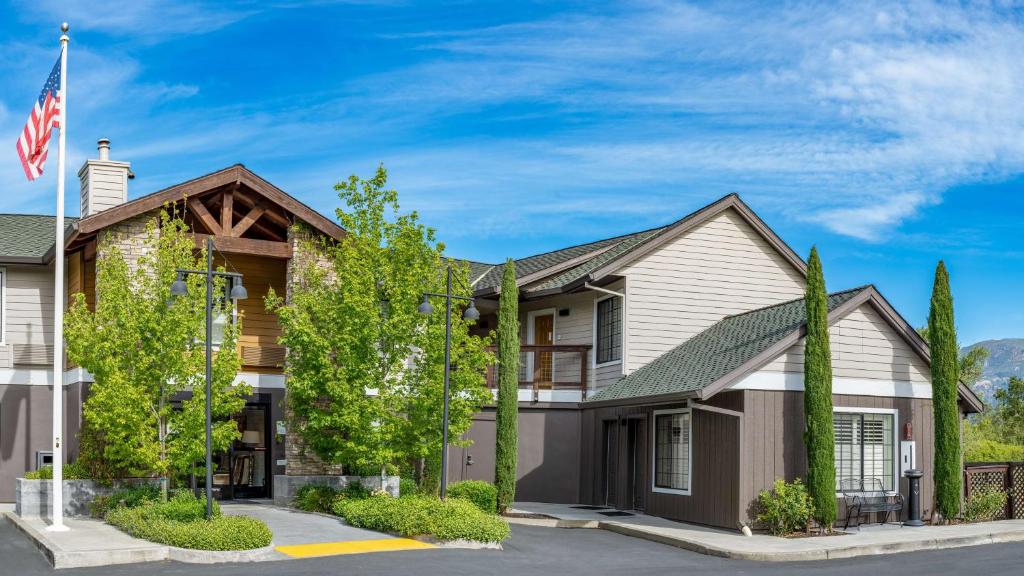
[541,552]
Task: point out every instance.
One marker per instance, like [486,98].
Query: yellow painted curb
[352,547]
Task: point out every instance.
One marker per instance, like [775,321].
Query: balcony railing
[551,373]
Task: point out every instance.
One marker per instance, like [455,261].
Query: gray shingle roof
[536,263]
[717,351]
[26,235]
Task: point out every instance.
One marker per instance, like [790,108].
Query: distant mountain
[1005,359]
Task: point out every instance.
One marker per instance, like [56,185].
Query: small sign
[281,462]
[281,428]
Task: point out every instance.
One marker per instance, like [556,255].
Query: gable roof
[737,345]
[27,238]
[570,268]
[237,174]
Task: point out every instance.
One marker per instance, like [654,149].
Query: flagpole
[58,300]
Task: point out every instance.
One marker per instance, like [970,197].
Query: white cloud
[149,20]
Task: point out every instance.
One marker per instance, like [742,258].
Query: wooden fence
[1005,476]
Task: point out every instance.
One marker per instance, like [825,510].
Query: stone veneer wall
[299,461]
[129,236]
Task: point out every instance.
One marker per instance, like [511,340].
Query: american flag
[35,137]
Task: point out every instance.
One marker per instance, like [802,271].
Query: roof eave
[643,400]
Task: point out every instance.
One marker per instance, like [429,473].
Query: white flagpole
[59,300]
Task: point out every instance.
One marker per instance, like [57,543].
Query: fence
[1005,476]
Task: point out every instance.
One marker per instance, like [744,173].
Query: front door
[244,470]
[543,335]
[636,464]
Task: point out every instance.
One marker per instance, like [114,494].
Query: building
[662,370]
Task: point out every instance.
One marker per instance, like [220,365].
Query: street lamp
[471,313]
[238,292]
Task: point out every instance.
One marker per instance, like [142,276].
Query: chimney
[104,181]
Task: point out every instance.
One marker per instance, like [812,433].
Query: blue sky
[890,135]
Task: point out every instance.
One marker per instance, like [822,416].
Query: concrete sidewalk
[732,544]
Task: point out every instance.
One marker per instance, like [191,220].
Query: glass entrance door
[244,470]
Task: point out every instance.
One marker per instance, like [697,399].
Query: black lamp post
[471,313]
[238,292]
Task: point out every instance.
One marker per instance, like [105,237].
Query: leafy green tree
[365,369]
[819,437]
[1009,412]
[143,348]
[945,368]
[507,416]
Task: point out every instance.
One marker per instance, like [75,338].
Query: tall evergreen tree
[945,377]
[819,436]
[507,417]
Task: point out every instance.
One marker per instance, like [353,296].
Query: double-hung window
[672,451]
[864,447]
[608,337]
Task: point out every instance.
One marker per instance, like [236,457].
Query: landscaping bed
[181,522]
[414,515]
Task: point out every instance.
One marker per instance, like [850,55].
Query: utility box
[908,456]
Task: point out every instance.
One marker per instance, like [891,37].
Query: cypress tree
[819,436]
[945,376]
[507,417]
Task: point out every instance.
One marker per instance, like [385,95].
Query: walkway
[732,544]
[302,535]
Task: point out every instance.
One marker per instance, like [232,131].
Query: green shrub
[315,498]
[183,507]
[985,504]
[482,494]
[424,516]
[355,491]
[130,497]
[71,471]
[407,487]
[786,508]
[149,522]
[993,451]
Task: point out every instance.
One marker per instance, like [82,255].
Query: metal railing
[549,368]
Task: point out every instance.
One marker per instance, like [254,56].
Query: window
[3,306]
[609,330]
[864,445]
[672,451]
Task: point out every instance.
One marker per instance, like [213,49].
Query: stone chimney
[104,181]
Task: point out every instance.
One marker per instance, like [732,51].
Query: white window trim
[654,453]
[622,340]
[3,306]
[895,438]
[553,312]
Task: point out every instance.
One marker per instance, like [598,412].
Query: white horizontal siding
[864,347]
[719,268]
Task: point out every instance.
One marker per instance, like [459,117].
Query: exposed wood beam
[271,215]
[227,209]
[257,226]
[248,220]
[231,245]
[204,215]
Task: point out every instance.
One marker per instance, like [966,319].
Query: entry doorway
[244,470]
[540,366]
[624,469]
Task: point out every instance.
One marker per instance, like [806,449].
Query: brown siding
[260,329]
[716,471]
[774,446]
[548,467]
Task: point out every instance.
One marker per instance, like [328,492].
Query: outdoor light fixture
[238,292]
[178,287]
[425,308]
[471,313]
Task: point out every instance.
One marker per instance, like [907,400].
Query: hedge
[453,519]
[483,495]
[181,522]
[70,471]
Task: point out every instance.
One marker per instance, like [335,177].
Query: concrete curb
[461,543]
[265,554]
[819,554]
[549,522]
[147,552]
[59,558]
